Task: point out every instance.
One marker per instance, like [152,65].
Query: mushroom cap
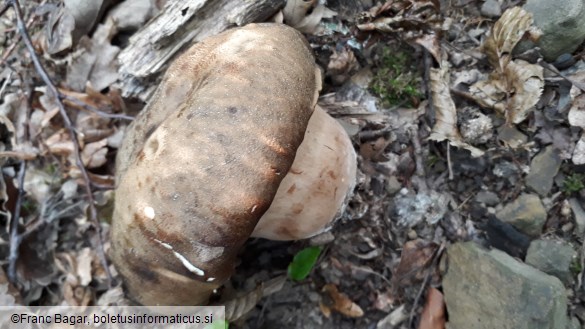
[203,161]
[316,188]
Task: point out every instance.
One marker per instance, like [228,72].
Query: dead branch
[177,25]
[15,237]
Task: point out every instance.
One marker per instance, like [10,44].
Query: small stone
[579,215]
[393,186]
[543,169]
[579,152]
[507,170]
[526,213]
[491,9]
[511,136]
[486,289]
[457,59]
[552,258]
[488,198]
[412,235]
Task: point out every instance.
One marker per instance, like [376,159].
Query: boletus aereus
[203,162]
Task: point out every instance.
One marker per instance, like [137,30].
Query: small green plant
[395,81]
[223,324]
[303,263]
[432,160]
[574,183]
[576,267]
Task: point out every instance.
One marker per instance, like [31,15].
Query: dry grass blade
[506,34]
[445,127]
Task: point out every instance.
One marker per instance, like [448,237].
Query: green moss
[576,266]
[574,183]
[396,81]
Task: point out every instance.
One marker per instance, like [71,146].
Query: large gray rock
[552,257]
[543,169]
[486,289]
[562,24]
[526,213]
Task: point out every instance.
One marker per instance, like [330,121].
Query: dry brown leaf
[374,150]
[295,10]
[433,315]
[9,295]
[68,23]
[431,43]
[445,127]
[415,258]
[515,86]
[490,93]
[94,154]
[98,65]
[513,93]
[59,31]
[339,302]
[342,64]
[527,82]
[411,18]
[310,23]
[505,35]
[60,143]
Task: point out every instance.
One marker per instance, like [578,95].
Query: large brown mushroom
[203,162]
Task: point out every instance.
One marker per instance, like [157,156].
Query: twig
[16,238]
[15,4]
[92,109]
[11,48]
[428,276]
[449,161]
[554,70]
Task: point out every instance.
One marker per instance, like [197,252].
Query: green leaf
[303,263]
[223,324]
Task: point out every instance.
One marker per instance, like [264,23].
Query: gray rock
[489,289]
[552,257]
[579,215]
[543,169]
[526,213]
[412,209]
[491,9]
[488,198]
[511,136]
[573,323]
[477,130]
[393,186]
[562,24]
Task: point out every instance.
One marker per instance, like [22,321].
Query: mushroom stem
[316,188]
